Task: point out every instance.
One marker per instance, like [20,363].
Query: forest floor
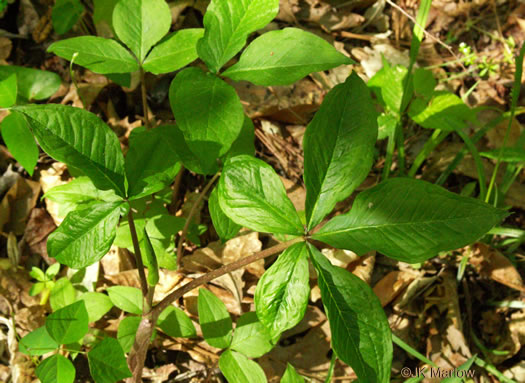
[446,318]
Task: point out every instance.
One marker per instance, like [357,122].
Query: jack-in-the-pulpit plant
[121,199]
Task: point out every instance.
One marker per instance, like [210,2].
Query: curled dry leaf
[392,284]
[17,205]
[492,264]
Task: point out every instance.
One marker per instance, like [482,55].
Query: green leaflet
[252,195]
[424,83]
[127,332]
[20,140]
[65,15]
[107,362]
[75,137]
[97,305]
[215,321]
[388,84]
[511,155]
[251,337]
[151,162]
[69,324]
[445,111]
[282,293]
[239,369]
[338,147]
[56,369]
[176,323]
[285,56]
[98,54]
[85,236]
[126,298]
[8,90]
[224,226]
[175,51]
[361,334]
[140,24]
[62,294]
[409,220]
[227,26]
[37,342]
[150,260]
[209,114]
[291,376]
[33,84]
[244,143]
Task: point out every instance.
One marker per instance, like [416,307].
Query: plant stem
[138,259]
[193,211]
[168,300]
[144,98]
[176,190]
[437,137]
[477,160]
[391,146]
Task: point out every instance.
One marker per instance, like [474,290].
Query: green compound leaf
[69,324]
[227,26]
[98,54]
[33,84]
[215,321]
[252,195]
[151,162]
[175,51]
[65,15]
[410,220]
[174,322]
[37,342]
[361,334]
[291,376]
[282,57]
[224,226]
[56,369]
[85,236]
[79,139]
[338,147]
[97,305]
[239,369]
[20,141]
[63,294]
[107,362]
[140,24]
[8,91]
[126,298]
[127,332]
[208,112]
[282,293]
[251,337]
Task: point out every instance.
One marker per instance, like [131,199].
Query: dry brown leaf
[17,205]
[363,267]
[5,49]
[391,285]
[492,264]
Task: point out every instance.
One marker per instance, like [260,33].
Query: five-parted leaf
[215,321]
[208,112]
[96,53]
[56,369]
[69,324]
[151,162]
[227,26]
[85,236]
[252,195]
[140,24]
[282,293]
[20,140]
[410,220]
[338,147]
[107,362]
[361,334]
[80,139]
[174,52]
[285,56]
[239,369]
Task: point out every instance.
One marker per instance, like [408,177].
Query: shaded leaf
[98,54]
[224,226]
[252,195]
[127,332]
[409,220]
[97,305]
[511,155]
[69,324]
[360,331]
[66,14]
[33,84]
[56,369]
[282,57]
[174,322]
[63,294]
[215,321]
[20,140]
[107,362]
[251,337]
[388,84]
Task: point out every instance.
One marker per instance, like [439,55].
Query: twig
[176,191]
[144,98]
[190,216]
[168,300]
